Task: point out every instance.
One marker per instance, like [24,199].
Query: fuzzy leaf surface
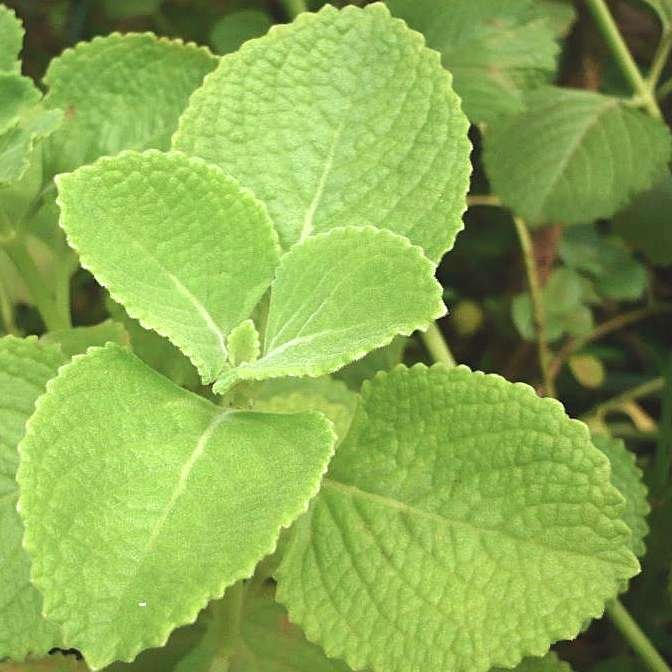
[464,523]
[153,501]
[183,247]
[120,92]
[354,163]
[11,40]
[495,49]
[549,663]
[77,340]
[25,368]
[603,153]
[338,295]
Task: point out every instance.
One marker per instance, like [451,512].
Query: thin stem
[7,313]
[437,346]
[664,89]
[644,390]
[538,309]
[484,199]
[639,642]
[659,60]
[610,32]
[294,7]
[30,274]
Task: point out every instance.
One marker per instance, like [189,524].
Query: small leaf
[352,163]
[25,368]
[338,295]
[178,243]
[628,478]
[17,94]
[604,152]
[243,343]
[588,370]
[77,340]
[11,40]
[495,49]
[464,523]
[229,32]
[120,92]
[153,501]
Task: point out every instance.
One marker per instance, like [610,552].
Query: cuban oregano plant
[190,471]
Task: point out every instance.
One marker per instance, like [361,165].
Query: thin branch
[484,199]
[644,390]
[437,346]
[659,60]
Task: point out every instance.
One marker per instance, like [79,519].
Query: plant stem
[639,642]
[659,60]
[30,274]
[484,199]
[644,390]
[610,32]
[538,309]
[294,7]
[664,89]
[437,346]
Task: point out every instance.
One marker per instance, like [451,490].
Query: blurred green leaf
[238,27]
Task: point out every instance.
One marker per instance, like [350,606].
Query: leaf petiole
[436,345]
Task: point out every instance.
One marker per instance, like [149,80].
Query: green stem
[294,7]
[659,60]
[639,642]
[7,313]
[437,346]
[664,89]
[644,390]
[30,274]
[537,300]
[489,200]
[610,32]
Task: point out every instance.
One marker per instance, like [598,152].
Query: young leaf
[338,295]
[77,340]
[243,343]
[604,152]
[25,368]
[142,501]
[183,247]
[354,163]
[627,477]
[120,92]
[495,49]
[464,523]
[549,663]
[11,40]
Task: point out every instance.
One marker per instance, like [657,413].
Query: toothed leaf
[11,40]
[243,343]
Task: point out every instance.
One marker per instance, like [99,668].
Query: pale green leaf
[338,295]
[153,501]
[381,359]
[341,118]
[327,395]
[603,153]
[120,92]
[77,340]
[588,370]
[464,523]
[232,30]
[243,343]
[628,478]
[549,663]
[183,247]
[17,93]
[495,49]
[11,40]
[25,368]
[559,14]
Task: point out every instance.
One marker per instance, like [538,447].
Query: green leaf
[243,343]
[603,153]
[338,295]
[153,501]
[183,247]
[17,93]
[464,523]
[120,92]
[559,14]
[25,368]
[352,163]
[119,10]
[381,359]
[645,223]
[11,40]
[232,30]
[327,395]
[628,478]
[77,340]
[588,370]
[495,49]
[549,663]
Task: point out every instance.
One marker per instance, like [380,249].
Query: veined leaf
[25,368]
[142,501]
[302,116]
[381,359]
[464,523]
[338,295]
[549,663]
[627,477]
[183,247]
[495,49]
[120,92]
[11,40]
[604,152]
[16,94]
[78,340]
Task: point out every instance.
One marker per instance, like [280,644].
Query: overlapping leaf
[464,523]
[302,116]
[11,39]
[78,340]
[182,499]
[603,153]
[495,49]
[549,663]
[25,368]
[120,92]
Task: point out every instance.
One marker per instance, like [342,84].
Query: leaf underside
[464,523]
